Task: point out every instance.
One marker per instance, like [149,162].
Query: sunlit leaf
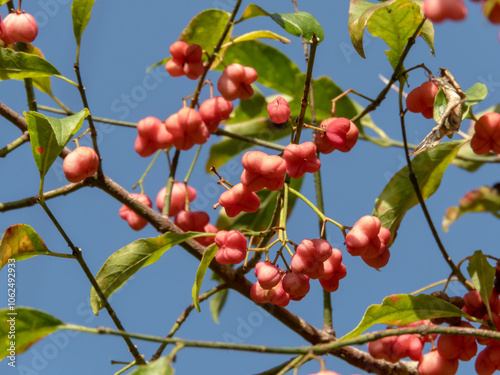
[393,20]
[299,23]
[49,135]
[30,326]
[206,28]
[20,65]
[161,366]
[399,196]
[401,309]
[395,23]
[484,199]
[19,242]
[80,12]
[208,255]
[482,275]
[259,34]
[124,263]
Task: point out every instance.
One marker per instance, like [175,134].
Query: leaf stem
[251,140]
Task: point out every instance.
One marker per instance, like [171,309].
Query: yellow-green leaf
[208,255]
[19,242]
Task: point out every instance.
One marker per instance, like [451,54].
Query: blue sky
[122,39]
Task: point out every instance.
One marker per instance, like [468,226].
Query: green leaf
[80,11]
[259,34]
[208,255]
[259,220]
[401,309]
[249,109]
[206,28]
[124,263]
[30,326]
[227,148]
[399,196]
[395,23]
[275,70]
[2,2]
[484,199]
[482,275]
[297,24]
[41,83]
[440,103]
[469,160]
[475,94]
[49,136]
[392,21]
[19,242]
[161,366]
[20,65]
[218,301]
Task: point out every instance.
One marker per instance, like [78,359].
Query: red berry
[238,199]
[334,270]
[135,221]
[278,110]
[263,171]
[152,136]
[326,373]
[232,247]
[234,83]
[317,249]
[488,361]
[18,27]
[341,133]
[433,364]
[307,265]
[213,111]
[439,10]
[486,136]
[301,159]
[80,164]
[178,198]
[460,347]
[187,129]
[421,99]
[297,286]
[192,221]
[276,295]
[208,240]
[268,274]
[186,60]
[492,11]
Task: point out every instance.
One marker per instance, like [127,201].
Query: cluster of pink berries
[313,259]
[369,240]
[18,27]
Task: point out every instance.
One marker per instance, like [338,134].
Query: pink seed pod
[232,247]
[135,221]
[268,274]
[18,27]
[278,110]
[80,164]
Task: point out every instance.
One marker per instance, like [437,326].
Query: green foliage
[159,367]
[394,21]
[20,241]
[20,65]
[482,275]
[208,255]
[259,34]
[31,325]
[80,11]
[297,24]
[399,196]
[49,136]
[401,309]
[124,263]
